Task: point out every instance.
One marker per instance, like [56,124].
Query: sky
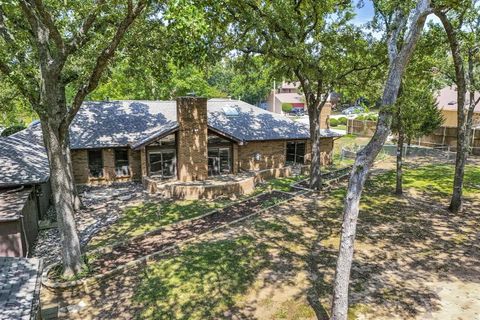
[365,13]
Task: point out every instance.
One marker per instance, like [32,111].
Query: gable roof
[23,158]
[447,99]
[134,123]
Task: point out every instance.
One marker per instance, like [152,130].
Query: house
[446,136]
[447,103]
[289,93]
[24,190]
[188,139]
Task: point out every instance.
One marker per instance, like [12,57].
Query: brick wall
[272,155]
[192,150]
[81,172]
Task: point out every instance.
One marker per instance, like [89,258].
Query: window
[95,163]
[219,161]
[162,163]
[121,163]
[295,152]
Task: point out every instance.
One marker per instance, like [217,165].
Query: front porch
[230,186]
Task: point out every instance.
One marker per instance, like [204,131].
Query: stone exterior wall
[81,172]
[192,141]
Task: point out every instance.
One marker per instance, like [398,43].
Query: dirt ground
[413,260]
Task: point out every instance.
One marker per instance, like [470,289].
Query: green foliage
[342,120]
[368,117]
[416,112]
[287,107]
[334,122]
[11,130]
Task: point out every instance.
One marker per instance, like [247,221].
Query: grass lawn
[149,216]
[412,260]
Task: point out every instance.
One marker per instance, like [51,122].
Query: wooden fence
[364,128]
[447,137]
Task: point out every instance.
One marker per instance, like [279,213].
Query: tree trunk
[61,180]
[401,138]
[315,170]
[366,156]
[460,160]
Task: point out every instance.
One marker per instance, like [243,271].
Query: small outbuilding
[24,190]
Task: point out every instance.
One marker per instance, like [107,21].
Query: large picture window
[95,163]
[121,163]
[219,161]
[295,152]
[162,163]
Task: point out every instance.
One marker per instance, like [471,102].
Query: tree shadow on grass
[202,281]
[149,216]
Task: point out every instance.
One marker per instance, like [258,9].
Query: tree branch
[48,22]
[104,58]
[80,38]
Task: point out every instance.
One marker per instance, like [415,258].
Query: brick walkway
[19,281]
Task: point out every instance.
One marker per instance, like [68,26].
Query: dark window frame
[122,166]
[173,165]
[297,158]
[91,166]
[218,158]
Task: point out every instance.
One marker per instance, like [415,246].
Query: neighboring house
[446,136]
[290,93]
[447,102]
[24,190]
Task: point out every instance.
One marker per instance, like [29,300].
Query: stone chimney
[192,148]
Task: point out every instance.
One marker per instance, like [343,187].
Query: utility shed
[19,287]
[18,222]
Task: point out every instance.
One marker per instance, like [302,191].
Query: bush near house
[334,122]
[342,120]
[287,107]
[369,117]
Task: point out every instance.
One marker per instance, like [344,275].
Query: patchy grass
[281,184]
[149,216]
[411,260]
[436,179]
[203,281]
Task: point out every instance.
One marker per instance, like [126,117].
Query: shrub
[287,107]
[342,120]
[333,122]
[12,129]
[360,117]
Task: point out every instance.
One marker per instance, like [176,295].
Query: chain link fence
[440,152]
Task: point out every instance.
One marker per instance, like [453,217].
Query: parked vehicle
[298,112]
[354,110]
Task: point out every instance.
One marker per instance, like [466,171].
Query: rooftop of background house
[447,99]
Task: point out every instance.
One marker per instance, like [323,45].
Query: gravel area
[101,207]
